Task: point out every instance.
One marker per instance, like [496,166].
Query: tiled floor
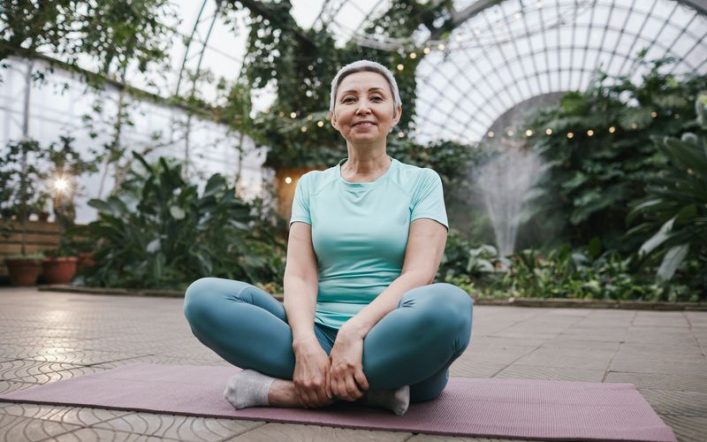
[46,337]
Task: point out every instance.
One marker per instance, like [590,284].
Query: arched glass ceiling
[502,53]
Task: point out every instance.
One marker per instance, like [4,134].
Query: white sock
[397,401]
[248,388]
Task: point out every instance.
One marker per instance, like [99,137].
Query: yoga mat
[513,408]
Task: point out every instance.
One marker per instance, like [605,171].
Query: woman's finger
[361,380]
[352,389]
[327,386]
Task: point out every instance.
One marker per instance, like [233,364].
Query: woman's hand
[346,374]
[311,376]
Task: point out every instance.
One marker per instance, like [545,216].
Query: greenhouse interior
[562,131]
[156,154]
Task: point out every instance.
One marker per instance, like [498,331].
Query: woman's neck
[365,163]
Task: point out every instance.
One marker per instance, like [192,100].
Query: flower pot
[59,270]
[23,272]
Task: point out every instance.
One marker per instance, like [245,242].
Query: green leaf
[177,212]
[671,261]
[154,246]
[659,238]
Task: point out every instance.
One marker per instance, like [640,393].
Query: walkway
[47,336]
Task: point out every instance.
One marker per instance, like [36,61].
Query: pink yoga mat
[511,408]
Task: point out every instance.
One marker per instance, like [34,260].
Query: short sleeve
[300,204]
[428,200]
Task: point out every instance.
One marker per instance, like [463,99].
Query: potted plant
[24,269]
[21,193]
[59,265]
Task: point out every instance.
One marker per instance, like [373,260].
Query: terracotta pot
[23,272]
[59,270]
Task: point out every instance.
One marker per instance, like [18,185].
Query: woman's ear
[397,113]
[332,119]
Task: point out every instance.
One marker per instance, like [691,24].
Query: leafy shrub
[595,174]
[558,273]
[163,233]
[674,212]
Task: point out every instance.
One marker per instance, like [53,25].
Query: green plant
[22,185]
[566,273]
[674,211]
[594,175]
[67,165]
[162,232]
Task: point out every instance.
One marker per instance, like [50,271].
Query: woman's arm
[300,283]
[311,376]
[423,254]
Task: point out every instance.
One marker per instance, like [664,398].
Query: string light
[320,123]
[634,125]
[509,132]
[570,135]
[528,132]
[590,133]
[401,134]
[426,51]
[413,55]
[612,129]
[288,180]
[548,131]
[401,67]
[293,114]
[654,114]
[491,134]
[304,129]
[441,46]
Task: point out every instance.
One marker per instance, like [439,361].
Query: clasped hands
[319,378]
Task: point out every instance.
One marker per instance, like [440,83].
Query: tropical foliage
[161,231]
[601,152]
[674,211]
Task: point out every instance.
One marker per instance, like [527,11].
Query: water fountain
[505,183]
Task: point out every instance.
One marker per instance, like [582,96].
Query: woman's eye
[376,98]
[347,100]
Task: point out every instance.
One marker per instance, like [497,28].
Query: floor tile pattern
[47,337]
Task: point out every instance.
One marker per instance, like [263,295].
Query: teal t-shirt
[360,231]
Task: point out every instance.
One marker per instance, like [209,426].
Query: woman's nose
[363,107]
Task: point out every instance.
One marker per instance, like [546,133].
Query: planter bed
[512,302]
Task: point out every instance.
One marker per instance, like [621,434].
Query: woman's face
[364,110]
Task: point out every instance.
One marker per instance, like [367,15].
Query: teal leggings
[412,345]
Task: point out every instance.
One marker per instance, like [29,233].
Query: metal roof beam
[698,5]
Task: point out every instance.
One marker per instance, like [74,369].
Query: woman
[361,318]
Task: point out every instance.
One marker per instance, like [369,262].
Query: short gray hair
[364,66]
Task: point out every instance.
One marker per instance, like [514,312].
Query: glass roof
[499,54]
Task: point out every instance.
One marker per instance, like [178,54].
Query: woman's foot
[248,388]
[396,401]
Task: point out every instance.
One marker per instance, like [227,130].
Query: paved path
[47,336]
